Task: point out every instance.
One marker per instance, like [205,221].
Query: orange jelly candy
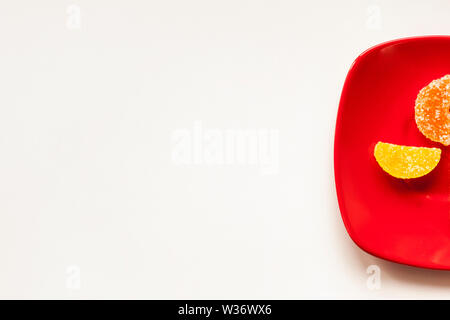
[432,111]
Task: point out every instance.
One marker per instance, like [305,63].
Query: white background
[92,204]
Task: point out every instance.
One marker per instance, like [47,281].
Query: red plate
[406,221]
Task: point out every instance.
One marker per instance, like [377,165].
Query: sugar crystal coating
[432,110]
[406,162]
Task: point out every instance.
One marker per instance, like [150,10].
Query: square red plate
[406,221]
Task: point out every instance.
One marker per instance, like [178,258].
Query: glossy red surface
[406,221]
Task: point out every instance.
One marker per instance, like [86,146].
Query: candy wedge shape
[406,162]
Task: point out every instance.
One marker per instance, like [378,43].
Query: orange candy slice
[406,162]
[432,110]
